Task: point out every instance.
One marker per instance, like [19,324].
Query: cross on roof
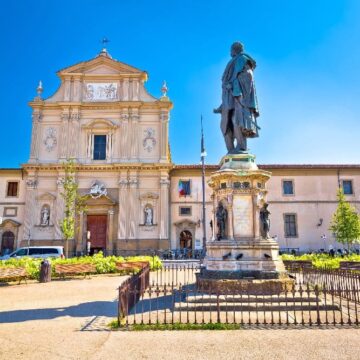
[105,41]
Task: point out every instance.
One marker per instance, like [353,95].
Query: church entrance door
[97,225]
[7,246]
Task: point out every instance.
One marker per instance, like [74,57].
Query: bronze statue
[239,108]
[221,217]
[264,221]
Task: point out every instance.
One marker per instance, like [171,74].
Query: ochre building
[138,200]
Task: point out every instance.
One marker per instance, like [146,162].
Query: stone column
[110,237]
[36,119]
[133,205]
[163,139]
[125,87]
[76,90]
[134,146]
[67,92]
[164,207]
[74,134]
[230,218]
[29,217]
[123,138]
[256,215]
[123,206]
[60,205]
[64,134]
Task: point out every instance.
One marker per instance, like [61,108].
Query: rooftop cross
[105,41]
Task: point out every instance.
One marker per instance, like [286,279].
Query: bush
[322,261]
[104,265]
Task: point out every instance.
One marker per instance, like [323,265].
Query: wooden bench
[74,269]
[350,265]
[293,265]
[13,273]
[132,266]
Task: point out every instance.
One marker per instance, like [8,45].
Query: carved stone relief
[101,91]
[50,140]
[149,140]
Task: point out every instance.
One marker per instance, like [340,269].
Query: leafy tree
[345,223]
[74,203]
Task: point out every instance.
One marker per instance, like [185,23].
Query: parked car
[41,252]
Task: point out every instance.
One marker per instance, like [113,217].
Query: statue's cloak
[238,94]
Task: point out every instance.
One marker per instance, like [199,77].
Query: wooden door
[97,225]
[8,240]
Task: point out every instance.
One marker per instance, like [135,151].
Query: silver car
[41,252]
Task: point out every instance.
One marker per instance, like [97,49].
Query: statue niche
[45,215]
[221,219]
[148,215]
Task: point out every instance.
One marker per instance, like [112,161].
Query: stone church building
[102,117]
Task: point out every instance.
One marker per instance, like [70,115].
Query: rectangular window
[184,188]
[288,187]
[12,188]
[347,187]
[185,210]
[290,225]
[99,147]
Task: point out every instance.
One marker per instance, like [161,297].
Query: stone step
[200,298]
[257,307]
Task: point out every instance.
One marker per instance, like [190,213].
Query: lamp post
[203,155]
[324,240]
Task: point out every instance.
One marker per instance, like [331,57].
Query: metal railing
[318,298]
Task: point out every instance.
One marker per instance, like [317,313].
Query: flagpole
[203,154]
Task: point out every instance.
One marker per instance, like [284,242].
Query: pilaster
[164,206]
[123,209]
[164,118]
[31,185]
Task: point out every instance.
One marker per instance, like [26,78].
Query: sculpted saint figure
[221,217]
[264,221]
[148,216]
[45,216]
[239,108]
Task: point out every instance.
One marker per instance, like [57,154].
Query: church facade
[138,200]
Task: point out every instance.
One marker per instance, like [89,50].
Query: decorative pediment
[100,124]
[103,200]
[7,223]
[149,196]
[46,197]
[185,223]
[102,64]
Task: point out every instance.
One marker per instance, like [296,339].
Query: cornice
[100,167]
[116,105]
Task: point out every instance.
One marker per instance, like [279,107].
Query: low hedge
[323,261]
[104,265]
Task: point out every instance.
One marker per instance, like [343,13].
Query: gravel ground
[68,320]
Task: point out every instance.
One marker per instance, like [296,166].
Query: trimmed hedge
[104,265]
[323,261]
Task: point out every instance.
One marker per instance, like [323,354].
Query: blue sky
[307,78]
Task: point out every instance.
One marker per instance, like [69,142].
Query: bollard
[45,271]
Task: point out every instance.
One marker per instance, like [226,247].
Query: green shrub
[322,261]
[103,264]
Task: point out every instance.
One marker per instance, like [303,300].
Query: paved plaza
[68,320]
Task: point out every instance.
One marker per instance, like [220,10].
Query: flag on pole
[203,151]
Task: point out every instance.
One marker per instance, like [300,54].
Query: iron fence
[318,297]
[304,306]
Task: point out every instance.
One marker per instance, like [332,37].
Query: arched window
[7,243]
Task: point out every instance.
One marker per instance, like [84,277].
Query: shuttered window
[12,188]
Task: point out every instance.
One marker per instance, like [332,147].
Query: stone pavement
[68,320]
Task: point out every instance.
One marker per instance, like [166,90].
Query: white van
[41,252]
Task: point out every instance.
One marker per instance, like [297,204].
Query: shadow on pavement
[94,308]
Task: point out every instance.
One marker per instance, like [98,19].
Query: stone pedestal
[243,259]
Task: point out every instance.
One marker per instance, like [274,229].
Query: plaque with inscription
[243,216]
[101,91]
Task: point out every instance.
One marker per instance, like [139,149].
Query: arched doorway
[7,243]
[186,241]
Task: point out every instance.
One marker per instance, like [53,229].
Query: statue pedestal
[245,259]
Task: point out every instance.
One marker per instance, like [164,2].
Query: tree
[74,203]
[345,223]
